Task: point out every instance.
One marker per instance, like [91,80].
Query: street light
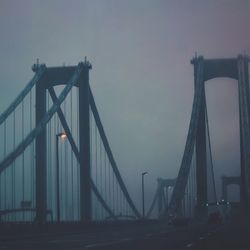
[143,208]
[61,136]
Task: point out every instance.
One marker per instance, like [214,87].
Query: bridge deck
[140,235]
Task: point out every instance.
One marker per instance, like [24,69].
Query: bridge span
[57,170]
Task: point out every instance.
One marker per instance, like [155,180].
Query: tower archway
[235,68]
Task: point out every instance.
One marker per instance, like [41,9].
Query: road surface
[140,236]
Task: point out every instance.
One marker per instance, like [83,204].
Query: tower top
[86,63]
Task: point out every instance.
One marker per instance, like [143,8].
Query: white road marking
[107,244]
[189,245]
[202,238]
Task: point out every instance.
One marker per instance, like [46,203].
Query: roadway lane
[230,236]
[136,237]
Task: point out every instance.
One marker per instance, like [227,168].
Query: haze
[142,78]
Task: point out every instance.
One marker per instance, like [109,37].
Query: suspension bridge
[190,195]
[56,164]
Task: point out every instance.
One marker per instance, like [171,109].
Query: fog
[142,79]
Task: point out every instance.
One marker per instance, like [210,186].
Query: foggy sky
[142,78]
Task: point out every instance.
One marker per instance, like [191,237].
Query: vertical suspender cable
[51,158]
[193,192]
[96,168]
[91,144]
[117,196]
[101,188]
[54,165]
[1,189]
[194,179]
[31,159]
[23,173]
[105,176]
[71,158]
[121,202]
[126,208]
[109,182]
[59,160]
[49,155]
[61,172]
[188,193]
[191,189]
[13,165]
[65,166]
[77,136]
[5,171]
[96,161]
[113,191]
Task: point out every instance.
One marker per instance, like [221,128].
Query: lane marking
[189,245]
[107,244]
[202,238]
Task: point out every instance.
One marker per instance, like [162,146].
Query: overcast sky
[142,78]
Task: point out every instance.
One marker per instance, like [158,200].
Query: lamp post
[61,136]
[143,207]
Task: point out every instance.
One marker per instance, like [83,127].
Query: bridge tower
[229,180]
[201,153]
[236,68]
[55,76]
[163,195]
